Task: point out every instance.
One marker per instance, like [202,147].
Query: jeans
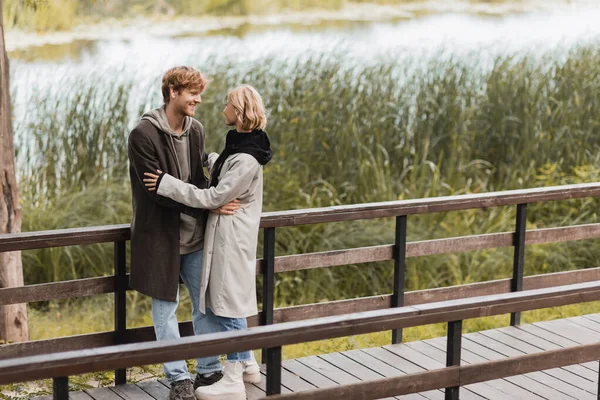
[226,324]
[167,327]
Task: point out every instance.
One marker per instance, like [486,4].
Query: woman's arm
[233,184]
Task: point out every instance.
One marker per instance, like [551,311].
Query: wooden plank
[538,344]
[502,385]
[556,339]
[359,371]
[586,323]
[381,302]
[308,374]
[155,389]
[103,394]
[108,358]
[64,237]
[482,389]
[253,392]
[593,317]
[572,374]
[451,376]
[165,382]
[561,278]
[326,369]
[131,392]
[563,234]
[570,330]
[428,205]
[79,396]
[77,342]
[430,247]
[550,379]
[78,236]
[291,382]
[531,382]
[332,258]
[379,368]
[384,252]
[262,385]
[57,290]
[404,366]
[340,307]
[410,354]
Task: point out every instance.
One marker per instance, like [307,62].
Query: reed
[343,133]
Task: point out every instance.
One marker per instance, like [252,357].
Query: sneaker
[207,379]
[231,387]
[182,390]
[251,370]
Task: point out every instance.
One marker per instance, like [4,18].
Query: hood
[158,118]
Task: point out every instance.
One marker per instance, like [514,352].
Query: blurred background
[368,102]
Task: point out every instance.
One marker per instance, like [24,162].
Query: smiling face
[185,101]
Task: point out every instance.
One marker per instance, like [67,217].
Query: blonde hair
[249,107]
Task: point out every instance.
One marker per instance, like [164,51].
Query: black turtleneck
[255,143]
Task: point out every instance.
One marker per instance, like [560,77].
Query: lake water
[145,54]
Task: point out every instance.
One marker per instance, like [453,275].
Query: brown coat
[155,259]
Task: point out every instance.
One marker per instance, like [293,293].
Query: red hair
[180,78]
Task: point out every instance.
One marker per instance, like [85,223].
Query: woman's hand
[151,180]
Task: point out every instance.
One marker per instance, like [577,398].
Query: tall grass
[53,15]
[343,133]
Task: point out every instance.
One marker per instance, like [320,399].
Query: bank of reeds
[342,133]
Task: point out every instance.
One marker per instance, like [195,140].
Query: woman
[228,284]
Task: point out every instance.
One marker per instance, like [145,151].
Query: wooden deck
[579,381]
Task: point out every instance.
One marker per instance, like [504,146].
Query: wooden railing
[61,365]
[269,265]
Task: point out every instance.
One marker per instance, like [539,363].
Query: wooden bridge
[548,360]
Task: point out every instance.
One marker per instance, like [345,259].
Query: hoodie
[191,231]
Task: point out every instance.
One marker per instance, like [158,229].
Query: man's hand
[228,209]
[151,180]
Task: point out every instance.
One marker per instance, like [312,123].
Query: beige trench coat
[228,282]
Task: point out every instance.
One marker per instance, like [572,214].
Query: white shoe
[251,370]
[230,387]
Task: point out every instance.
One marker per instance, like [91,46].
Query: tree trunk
[13,318]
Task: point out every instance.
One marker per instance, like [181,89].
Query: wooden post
[120,254]
[268,273]
[453,350]
[274,371]
[13,318]
[516,284]
[399,271]
[60,388]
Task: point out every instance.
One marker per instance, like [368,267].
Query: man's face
[186,101]
[229,113]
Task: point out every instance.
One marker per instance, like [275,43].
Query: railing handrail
[111,233]
[277,335]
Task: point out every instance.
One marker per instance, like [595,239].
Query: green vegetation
[343,133]
[52,15]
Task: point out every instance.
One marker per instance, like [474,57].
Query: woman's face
[229,113]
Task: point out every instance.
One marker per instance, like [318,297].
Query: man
[166,237]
